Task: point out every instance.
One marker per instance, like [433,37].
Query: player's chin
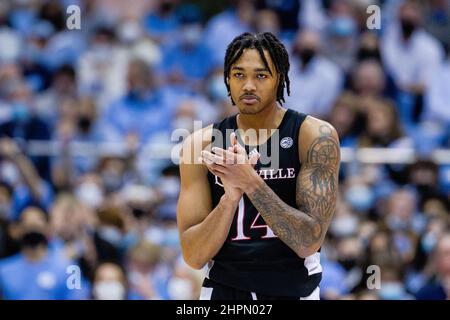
[250,108]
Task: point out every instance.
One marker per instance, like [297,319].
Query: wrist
[229,203]
[253,183]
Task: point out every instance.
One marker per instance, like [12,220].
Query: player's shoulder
[313,129]
[194,143]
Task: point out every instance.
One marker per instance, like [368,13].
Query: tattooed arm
[303,229]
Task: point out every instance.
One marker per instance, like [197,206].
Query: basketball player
[259,227]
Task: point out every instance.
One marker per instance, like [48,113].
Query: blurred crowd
[137,70]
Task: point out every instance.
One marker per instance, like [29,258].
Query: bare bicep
[317,183]
[194,203]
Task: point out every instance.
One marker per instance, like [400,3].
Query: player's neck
[268,118]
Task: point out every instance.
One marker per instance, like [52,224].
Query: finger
[254,157]
[233,138]
[229,156]
[237,147]
[215,169]
[213,158]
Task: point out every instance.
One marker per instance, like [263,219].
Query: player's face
[252,86]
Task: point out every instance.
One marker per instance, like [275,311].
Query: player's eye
[261,76]
[239,75]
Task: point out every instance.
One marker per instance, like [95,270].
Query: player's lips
[249,98]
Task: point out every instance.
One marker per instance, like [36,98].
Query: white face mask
[109,290]
[90,194]
[129,32]
[344,226]
[10,173]
[180,289]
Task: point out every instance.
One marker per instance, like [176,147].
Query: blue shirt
[160,26]
[21,279]
[144,117]
[194,63]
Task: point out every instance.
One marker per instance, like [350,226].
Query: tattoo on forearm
[317,185]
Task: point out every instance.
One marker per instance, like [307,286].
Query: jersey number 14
[240,225]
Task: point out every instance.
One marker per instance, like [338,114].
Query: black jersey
[253,258]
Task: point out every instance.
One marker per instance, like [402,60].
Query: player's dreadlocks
[261,41]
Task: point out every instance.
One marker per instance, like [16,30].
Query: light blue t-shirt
[21,279]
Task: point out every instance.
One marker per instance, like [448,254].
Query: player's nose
[249,86]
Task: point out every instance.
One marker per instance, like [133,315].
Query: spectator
[438,286]
[162,23]
[29,188]
[407,62]
[310,73]
[37,272]
[144,101]
[25,125]
[347,119]
[341,35]
[143,269]
[109,283]
[368,79]
[102,68]
[222,28]
[383,128]
[188,60]
[437,94]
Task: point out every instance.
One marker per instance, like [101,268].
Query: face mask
[408,28]
[111,235]
[21,112]
[90,194]
[306,55]
[391,291]
[360,197]
[166,7]
[343,26]
[348,264]
[101,52]
[129,32]
[217,89]
[33,239]
[169,187]
[191,35]
[428,242]
[112,181]
[180,289]
[84,124]
[368,54]
[109,290]
[397,224]
[9,173]
[344,226]
[138,212]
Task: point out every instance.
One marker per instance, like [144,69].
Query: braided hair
[261,41]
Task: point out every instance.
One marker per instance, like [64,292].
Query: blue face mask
[391,291]
[360,197]
[343,26]
[21,112]
[428,242]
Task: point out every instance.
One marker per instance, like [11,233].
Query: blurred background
[86,118]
